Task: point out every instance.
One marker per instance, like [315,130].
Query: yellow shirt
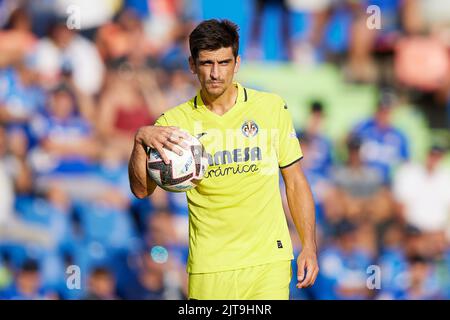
[236,218]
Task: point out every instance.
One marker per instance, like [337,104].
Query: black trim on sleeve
[290,164]
[195,102]
[245,95]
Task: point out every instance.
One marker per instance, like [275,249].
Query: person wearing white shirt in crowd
[65,52]
[423,193]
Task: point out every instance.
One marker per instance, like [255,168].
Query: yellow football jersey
[236,217]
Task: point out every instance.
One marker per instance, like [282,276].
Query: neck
[223,103]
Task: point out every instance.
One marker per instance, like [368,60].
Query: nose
[214,71]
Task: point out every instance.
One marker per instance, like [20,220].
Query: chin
[215,91]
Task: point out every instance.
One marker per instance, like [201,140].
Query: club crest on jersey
[249,128]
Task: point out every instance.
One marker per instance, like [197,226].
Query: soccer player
[239,242]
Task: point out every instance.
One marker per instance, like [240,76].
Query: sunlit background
[370,99]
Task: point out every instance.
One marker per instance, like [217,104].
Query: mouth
[215,83]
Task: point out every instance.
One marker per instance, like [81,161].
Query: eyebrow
[209,60]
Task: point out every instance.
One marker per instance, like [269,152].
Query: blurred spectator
[343,266]
[320,149]
[163,230]
[392,259]
[432,74]
[355,178]
[20,97]
[383,146]
[14,146]
[358,190]
[151,280]
[124,38]
[66,53]
[329,34]
[16,39]
[28,284]
[408,267]
[368,39]
[422,63]
[421,281]
[15,179]
[305,47]
[157,280]
[101,285]
[91,15]
[125,107]
[162,23]
[423,192]
[64,136]
[422,66]
[257,25]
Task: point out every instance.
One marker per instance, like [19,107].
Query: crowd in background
[71,101]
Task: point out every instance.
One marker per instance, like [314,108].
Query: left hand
[307,263]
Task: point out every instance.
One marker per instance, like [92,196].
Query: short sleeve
[289,150]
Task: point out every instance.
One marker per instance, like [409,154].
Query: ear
[238,64]
[192,65]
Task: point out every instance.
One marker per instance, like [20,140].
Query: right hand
[160,137]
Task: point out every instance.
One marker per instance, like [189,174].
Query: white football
[183,172]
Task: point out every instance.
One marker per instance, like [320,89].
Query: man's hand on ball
[160,137]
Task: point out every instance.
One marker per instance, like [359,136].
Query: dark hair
[354,142]
[417,258]
[30,265]
[101,271]
[212,35]
[344,227]
[316,106]
[437,149]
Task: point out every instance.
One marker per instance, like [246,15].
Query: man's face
[61,104]
[434,158]
[215,70]
[103,285]
[383,117]
[28,282]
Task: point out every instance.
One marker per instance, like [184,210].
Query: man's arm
[155,137]
[301,206]
[140,183]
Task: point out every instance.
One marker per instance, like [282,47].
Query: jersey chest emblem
[249,128]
